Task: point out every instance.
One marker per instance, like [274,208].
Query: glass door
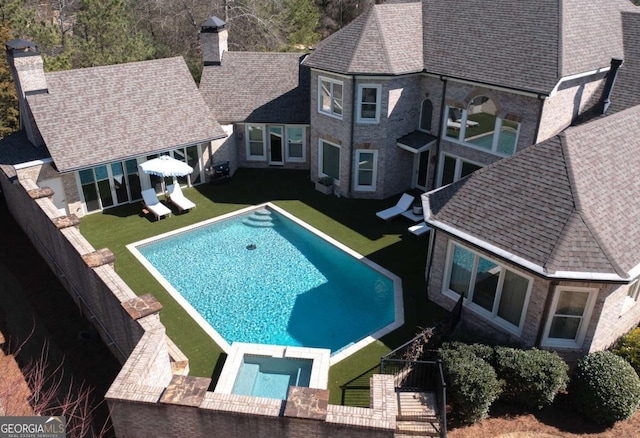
[422,170]
[275,145]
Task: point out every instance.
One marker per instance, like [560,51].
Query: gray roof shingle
[385,39]
[565,204]
[101,114]
[258,87]
[626,92]
[522,45]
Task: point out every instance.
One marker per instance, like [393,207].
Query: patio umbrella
[164,166]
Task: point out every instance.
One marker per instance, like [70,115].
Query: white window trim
[321,159]
[359,118]
[288,157]
[331,112]
[250,157]
[374,176]
[458,170]
[584,323]
[493,315]
[463,128]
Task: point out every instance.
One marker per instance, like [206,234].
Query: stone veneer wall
[152,395]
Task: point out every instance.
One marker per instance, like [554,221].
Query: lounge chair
[152,204]
[401,206]
[178,199]
[419,229]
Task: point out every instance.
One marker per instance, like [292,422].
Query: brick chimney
[213,40]
[27,70]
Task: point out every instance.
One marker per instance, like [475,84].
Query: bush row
[604,387]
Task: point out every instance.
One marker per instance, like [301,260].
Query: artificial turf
[350,221]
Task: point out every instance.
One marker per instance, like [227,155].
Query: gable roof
[563,205]
[97,115]
[258,87]
[527,46]
[384,39]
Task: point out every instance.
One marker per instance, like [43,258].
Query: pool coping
[319,369]
[339,355]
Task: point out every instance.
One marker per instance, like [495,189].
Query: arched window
[480,126]
[426,114]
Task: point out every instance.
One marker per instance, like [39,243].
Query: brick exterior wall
[560,109]
[613,315]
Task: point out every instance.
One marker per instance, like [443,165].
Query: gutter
[559,275]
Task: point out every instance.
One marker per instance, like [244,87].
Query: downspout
[608,85]
[352,135]
[427,276]
[539,121]
[437,154]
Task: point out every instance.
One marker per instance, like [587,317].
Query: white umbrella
[165,165]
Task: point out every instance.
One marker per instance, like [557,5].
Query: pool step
[259,218]
[246,377]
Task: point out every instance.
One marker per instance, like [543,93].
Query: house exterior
[85,131]
[260,98]
[542,246]
[418,95]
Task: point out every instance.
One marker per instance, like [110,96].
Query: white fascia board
[568,275]
[32,163]
[577,76]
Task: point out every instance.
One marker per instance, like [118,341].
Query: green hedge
[472,384]
[532,378]
[628,348]
[605,388]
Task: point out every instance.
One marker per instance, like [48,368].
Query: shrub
[628,348]
[484,352]
[472,385]
[605,388]
[532,378]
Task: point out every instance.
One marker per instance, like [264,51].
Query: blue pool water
[506,142]
[262,278]
[270,377]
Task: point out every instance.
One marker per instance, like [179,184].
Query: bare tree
[47,391]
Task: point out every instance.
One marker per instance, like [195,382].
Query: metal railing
[418,375]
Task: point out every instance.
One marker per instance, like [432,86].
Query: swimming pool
[506,142]
[270,377]
[262,276]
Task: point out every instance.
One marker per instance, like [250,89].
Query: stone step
[416,428]
[411,405]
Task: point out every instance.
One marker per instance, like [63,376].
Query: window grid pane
[331,160]
[486,284]
[461,268]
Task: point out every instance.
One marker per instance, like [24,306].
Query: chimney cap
[213,24]
[20,47]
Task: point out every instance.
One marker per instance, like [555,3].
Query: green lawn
[350,221]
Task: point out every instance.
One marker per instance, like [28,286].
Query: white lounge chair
[152,204]
[419,229]
[178,199]
[401,206]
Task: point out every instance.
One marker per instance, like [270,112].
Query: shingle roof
[258,87]
[101,114]
[521,45]
[385,39]
[626,92]
[17,149]
[566,204]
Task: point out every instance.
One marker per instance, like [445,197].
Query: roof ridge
[385,46]
[577,201]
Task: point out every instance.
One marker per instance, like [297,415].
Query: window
[296,149]
[426,115]
[490,289]
[329,160]
[369,103]
[454,168]
[569,317]
[479,126]
[255,142]
[330,97]
[366,169]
